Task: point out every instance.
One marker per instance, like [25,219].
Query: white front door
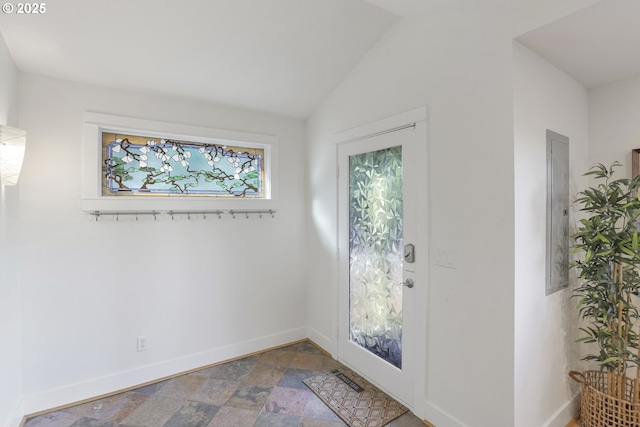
[377,277]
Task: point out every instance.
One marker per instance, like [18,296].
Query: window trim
[93,200]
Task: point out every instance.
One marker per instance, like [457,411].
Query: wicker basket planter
[608,400]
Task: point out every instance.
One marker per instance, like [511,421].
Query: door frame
[418,117]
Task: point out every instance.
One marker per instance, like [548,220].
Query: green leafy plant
[608,245]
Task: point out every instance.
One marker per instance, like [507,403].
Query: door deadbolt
[409,283]
[409,253]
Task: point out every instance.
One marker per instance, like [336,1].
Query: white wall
[10,326]
[8,87]
[545,326]
[200,290]
[458,63]
[614,129]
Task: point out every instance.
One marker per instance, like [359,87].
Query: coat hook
[204,215]
[117,216]
[259,214]
[273,213]
[233,214]
[155,217]
[189,215]
[219,215]
[136,216]
[247,214]
[96,214]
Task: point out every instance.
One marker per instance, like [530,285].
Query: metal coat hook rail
[271,212]
[197,213]
[98,214]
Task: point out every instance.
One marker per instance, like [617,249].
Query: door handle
[408,283]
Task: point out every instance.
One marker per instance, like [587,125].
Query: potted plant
[607,245]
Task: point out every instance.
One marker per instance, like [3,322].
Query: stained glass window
[376,252]
[141,165]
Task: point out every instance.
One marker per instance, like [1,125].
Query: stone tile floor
[264,390]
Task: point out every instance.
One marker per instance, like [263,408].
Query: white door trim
[422,244]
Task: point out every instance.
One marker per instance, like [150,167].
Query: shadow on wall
[571,321]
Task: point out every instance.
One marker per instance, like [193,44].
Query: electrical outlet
[444,257]
[143,343]
[450,258]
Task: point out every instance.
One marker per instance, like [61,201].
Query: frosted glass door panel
[376,252]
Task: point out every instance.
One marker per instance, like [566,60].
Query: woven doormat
[356,401]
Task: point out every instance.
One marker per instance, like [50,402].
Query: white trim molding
[92,199]
[17,415]
[438,417]
[418,117]
[565,413]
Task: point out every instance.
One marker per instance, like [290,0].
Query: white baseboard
[322,340]
[16,416]
[440,418]
[108,384]
[565,414]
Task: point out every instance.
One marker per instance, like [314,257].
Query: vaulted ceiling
[281,56]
